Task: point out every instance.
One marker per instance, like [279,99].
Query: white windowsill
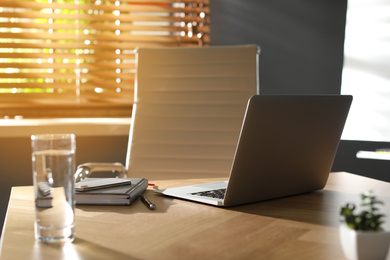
[77,126]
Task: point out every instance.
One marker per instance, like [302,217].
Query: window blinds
[75,58]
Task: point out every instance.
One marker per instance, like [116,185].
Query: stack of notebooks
[109,191]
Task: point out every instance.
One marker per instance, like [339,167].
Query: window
[366,72]
[75,58]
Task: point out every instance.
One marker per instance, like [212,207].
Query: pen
[148,203]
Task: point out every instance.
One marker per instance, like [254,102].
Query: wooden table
[298,227]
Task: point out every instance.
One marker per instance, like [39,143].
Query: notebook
[286,147]
[114,194]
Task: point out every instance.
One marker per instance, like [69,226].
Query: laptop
[286,147]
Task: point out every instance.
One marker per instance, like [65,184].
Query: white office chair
[188,110]
[189,106]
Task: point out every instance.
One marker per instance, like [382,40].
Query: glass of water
[54,165]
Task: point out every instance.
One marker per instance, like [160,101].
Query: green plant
[369,219]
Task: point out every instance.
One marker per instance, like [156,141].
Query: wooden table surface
[298,227]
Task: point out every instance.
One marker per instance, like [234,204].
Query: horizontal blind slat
[92,46]
[46,87]
[103,17]
[106,27]
[144,3]
[127,7]
[97,65]
[100,37]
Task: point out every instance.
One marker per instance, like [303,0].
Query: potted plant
[361,233]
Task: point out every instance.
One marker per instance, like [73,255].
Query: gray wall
[301,41]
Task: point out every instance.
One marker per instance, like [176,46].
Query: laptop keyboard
[218,194]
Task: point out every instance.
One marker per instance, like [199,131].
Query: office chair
[189,104]
[188,108]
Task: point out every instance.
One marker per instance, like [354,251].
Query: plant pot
[364,245]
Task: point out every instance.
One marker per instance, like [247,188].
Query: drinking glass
[53,164]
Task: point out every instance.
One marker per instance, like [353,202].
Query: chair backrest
[189,106]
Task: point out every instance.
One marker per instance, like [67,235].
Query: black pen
[148,203]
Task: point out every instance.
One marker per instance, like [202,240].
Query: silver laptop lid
[287,146]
